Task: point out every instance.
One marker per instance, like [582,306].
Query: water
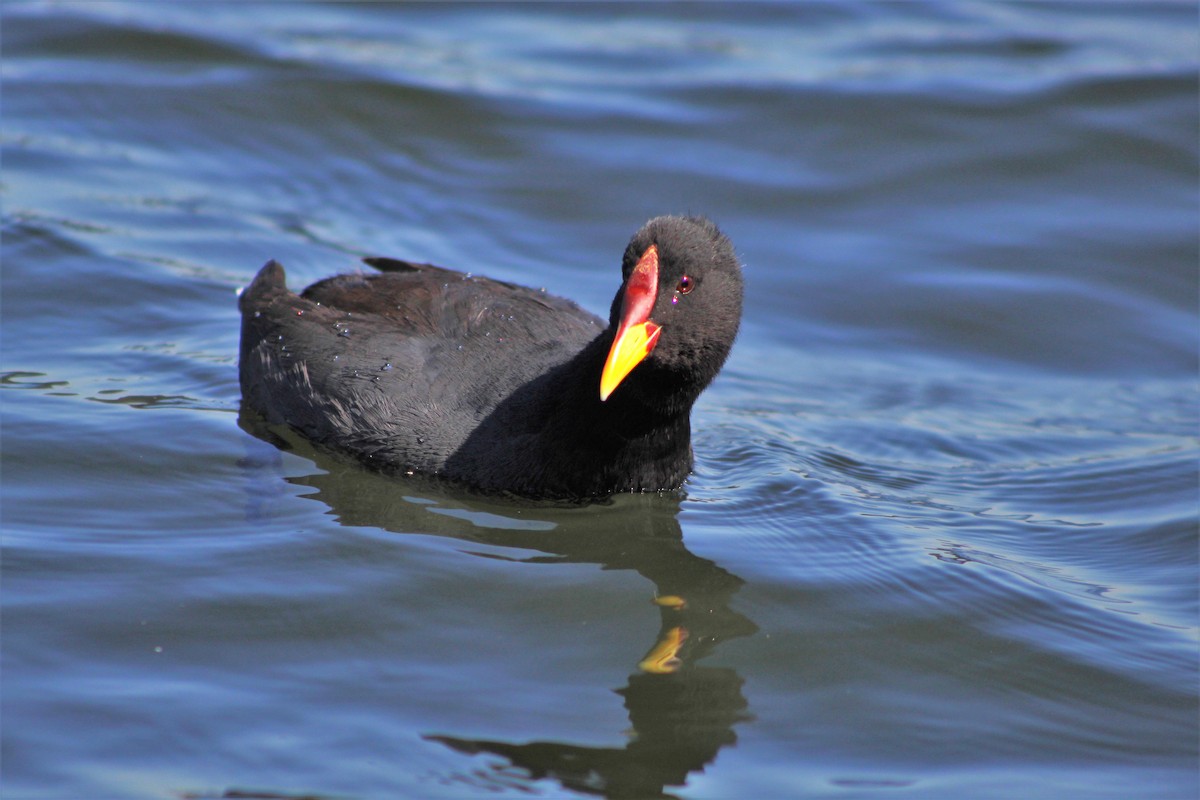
[941,541]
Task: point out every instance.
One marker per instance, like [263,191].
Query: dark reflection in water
[679,725]
[681,713]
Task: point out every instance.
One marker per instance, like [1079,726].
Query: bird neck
[639,439]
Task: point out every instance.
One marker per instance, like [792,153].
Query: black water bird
[495,386]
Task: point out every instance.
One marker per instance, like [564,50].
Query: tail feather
[269,280]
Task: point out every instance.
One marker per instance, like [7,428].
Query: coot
[501,388]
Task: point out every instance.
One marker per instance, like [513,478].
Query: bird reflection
[680,721]
[681,712]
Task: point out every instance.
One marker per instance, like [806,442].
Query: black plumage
[496,386]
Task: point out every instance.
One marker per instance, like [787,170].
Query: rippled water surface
[941,541]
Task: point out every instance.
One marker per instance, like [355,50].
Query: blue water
[941,540]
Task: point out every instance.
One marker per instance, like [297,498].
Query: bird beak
[636,334]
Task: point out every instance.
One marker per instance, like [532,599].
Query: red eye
[685,285]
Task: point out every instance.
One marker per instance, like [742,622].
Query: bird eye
[685,285]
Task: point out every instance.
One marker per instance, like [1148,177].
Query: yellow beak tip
[630,347]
